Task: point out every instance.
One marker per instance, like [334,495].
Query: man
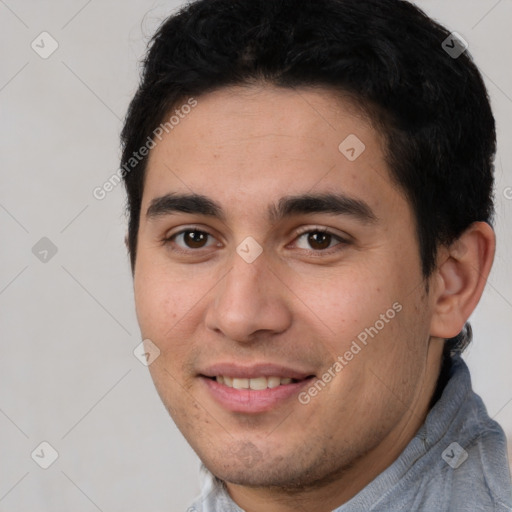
[309,192]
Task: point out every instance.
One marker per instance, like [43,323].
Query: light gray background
[67,372]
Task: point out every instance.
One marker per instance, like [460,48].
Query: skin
[297,304]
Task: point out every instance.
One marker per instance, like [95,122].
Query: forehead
[248,147]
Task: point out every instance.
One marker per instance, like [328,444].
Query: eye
[319,240]
[189,239]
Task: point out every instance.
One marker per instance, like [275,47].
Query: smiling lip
[254,371]
[250,400]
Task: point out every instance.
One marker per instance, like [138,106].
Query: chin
[243,463]
[246,465]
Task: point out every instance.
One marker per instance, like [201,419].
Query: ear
[460,278]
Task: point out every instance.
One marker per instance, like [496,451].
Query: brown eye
[189,240]
[194,239]
[319,240]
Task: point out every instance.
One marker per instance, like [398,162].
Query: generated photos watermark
[100,192]
[355,348]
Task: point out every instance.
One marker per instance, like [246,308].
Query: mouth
[252,390]
[254,383]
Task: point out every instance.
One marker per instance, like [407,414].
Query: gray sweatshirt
[456,462]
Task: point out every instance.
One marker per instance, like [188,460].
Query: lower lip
[252,401]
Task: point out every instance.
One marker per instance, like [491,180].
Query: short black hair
[431,106]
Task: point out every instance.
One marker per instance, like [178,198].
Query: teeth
[257,383]
[241,383]
[273,382]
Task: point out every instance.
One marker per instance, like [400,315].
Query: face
[274,256]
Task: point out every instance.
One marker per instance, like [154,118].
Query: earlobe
[462,273]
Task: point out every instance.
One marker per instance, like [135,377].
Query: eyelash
[303,231]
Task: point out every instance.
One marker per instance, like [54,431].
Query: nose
[250,301]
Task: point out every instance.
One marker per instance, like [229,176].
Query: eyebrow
[337,204]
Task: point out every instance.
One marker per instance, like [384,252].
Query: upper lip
[254,370]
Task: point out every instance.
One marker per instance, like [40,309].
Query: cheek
[164,309]
[348,300]
[162,301]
